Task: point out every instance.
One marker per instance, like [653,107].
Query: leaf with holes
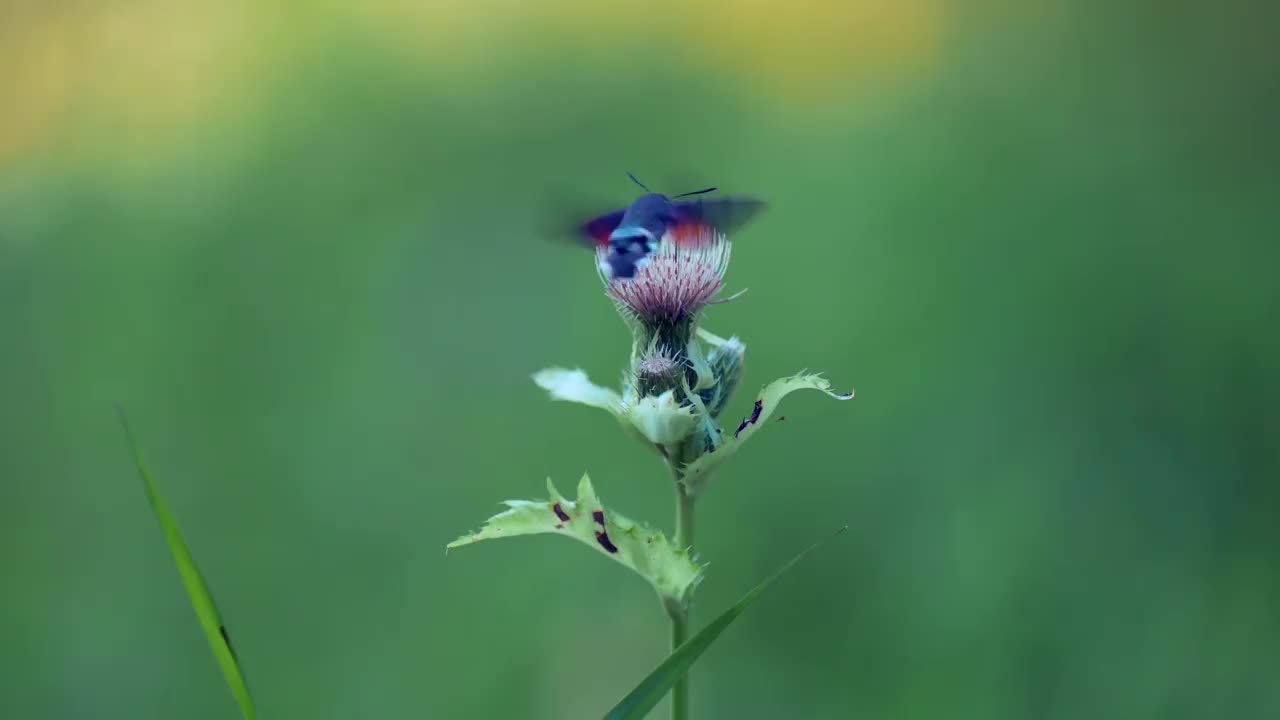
[697,473]
[670,570]
[201,599]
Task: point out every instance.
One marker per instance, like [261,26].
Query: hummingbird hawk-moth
[627,237]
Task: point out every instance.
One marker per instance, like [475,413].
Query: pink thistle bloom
[677,281]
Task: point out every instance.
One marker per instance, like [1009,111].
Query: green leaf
[575,386]
[656,421]
[661,419]
[696,474]
[653,688]
[197,589]
[711,338]
[646,551]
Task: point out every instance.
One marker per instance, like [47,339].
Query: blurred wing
[596,232]
[726,214]
[560,213]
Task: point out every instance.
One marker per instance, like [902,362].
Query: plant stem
[680,615]
[684,518]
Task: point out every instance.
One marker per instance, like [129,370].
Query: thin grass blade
[197,589]
[653,688]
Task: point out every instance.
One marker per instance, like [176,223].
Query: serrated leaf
[697,473]
[201,598]
[658,683]
[646,551]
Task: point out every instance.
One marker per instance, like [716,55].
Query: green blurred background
[302,246]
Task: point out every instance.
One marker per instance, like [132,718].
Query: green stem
[680,615]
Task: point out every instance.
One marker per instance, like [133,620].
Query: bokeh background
[303,245]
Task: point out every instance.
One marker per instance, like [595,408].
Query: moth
[625,238]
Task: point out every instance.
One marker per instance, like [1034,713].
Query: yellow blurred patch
[142,73]
[138,73]
[801,51]
[818,50]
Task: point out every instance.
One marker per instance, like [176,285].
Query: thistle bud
[657,373]
[726,367]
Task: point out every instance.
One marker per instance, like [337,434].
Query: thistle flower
[672,285]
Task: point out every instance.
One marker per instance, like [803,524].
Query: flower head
[677,281]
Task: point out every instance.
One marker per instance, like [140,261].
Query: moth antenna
[634,180]
[695,192]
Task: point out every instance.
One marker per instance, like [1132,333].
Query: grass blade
[197,590]
[653,688]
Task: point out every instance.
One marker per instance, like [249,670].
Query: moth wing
[595,232]
[726,214]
